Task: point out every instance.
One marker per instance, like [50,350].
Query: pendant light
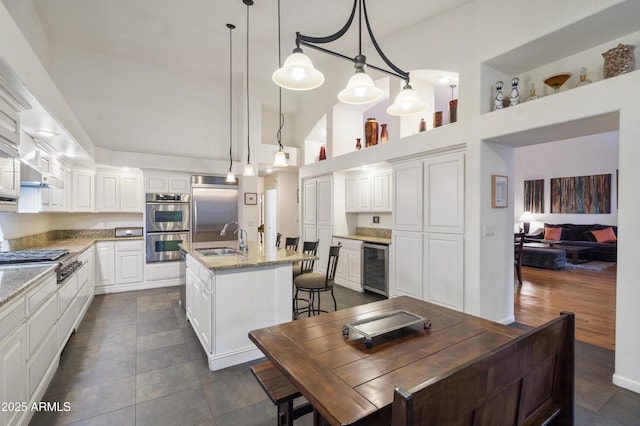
[298,73]
[248,168]
[231,178]
[280,158]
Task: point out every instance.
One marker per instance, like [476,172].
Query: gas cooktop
[23,256]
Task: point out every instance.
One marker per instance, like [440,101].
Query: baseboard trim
[626,383]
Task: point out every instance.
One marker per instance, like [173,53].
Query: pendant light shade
[279,159]
[231,178]
[298,73]
[407,102]
[360,90]
[248,170]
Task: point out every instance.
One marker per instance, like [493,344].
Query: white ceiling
[190,36]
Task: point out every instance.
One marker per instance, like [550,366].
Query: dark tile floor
[134,360]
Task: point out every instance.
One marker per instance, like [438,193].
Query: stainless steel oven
[167,225]
[164,246]
[167,212]
[375,267]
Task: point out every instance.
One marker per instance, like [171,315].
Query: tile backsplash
[373,232]
[38,240]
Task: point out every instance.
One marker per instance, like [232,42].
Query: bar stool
[314,283]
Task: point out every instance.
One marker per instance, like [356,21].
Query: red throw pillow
[605,235]
[553,234]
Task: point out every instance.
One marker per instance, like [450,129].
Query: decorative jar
[619,60]
[371,132]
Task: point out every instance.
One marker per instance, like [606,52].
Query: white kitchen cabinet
[444,270]
[407,196]
[13,374]
[199,304]
[317,215]
[117,192]
[358,193]
[83,197]
[406,264]
[349,268]
[381,191]
[129,262]
[444,194]
[106,263]
[9,120]
[173,183]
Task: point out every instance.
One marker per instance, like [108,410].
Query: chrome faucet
[243,244]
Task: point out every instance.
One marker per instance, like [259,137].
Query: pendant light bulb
[231,178]
[248,170]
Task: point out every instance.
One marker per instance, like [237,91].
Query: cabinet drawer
[10,317]
[83,296]
[85,255]
[83,274]
[41,323]
[348,244]
[40,362]
[42,292]
[67,293]
[129,246]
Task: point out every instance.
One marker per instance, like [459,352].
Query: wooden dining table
[348,382]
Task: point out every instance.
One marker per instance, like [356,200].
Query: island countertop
[258,255]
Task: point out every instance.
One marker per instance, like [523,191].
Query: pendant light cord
[231,27]
[248,144]
[280,115]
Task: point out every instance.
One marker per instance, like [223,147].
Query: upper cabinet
[368,192]
[9,122]
[83,188]
[118,192]
[172,183]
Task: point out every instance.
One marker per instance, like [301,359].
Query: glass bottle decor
[514,98]
[583,78]
[384,135]
[437,119]
[532,93]
[358,144]
[370,132]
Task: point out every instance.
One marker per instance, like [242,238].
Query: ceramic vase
[370,132]
[384,135]
[358,144]
[423,125]
[437,119]
[323,153]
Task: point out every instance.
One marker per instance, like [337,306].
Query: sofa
[581,235]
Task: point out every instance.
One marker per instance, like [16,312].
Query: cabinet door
[406,263]
[325,238]
[444,194]
[444,270]
[364,193]
[189,291]
[354,266]
[129,265]
[407,196]
[351,201]
[130,194]
[83,191]
[309,195]
[107,193]
[105,271]
[381,191]
[324,202]
[13,374]
[309,233]
[204,317]
[180,184]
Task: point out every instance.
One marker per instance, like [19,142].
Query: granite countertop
[258,255]
[366,239]
[17,279]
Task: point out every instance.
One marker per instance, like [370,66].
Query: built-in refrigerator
[214,202]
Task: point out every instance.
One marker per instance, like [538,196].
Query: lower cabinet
[349,268]
[13,373]
[119,263]
[198,295]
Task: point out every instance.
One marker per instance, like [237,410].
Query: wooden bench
[281,392]
[526,381]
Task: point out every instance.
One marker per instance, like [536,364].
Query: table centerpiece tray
[382,324]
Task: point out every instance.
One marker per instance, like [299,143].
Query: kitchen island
[229,294]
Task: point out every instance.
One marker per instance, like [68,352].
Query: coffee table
[574,251]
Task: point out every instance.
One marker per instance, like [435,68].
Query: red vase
[384,135]
[358,144]
[323,153]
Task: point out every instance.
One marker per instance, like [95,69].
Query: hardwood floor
[590,295]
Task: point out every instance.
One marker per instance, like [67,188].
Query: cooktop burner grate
[22,256]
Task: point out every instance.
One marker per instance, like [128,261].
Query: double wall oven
[167,225]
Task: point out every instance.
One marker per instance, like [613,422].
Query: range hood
[30,177]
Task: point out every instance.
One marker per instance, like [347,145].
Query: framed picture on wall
[250,198]
[499,191]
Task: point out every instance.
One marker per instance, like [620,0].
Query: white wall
[583,156]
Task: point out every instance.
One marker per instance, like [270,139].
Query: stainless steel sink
[217,251]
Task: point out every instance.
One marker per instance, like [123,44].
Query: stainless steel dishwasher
[375,265]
